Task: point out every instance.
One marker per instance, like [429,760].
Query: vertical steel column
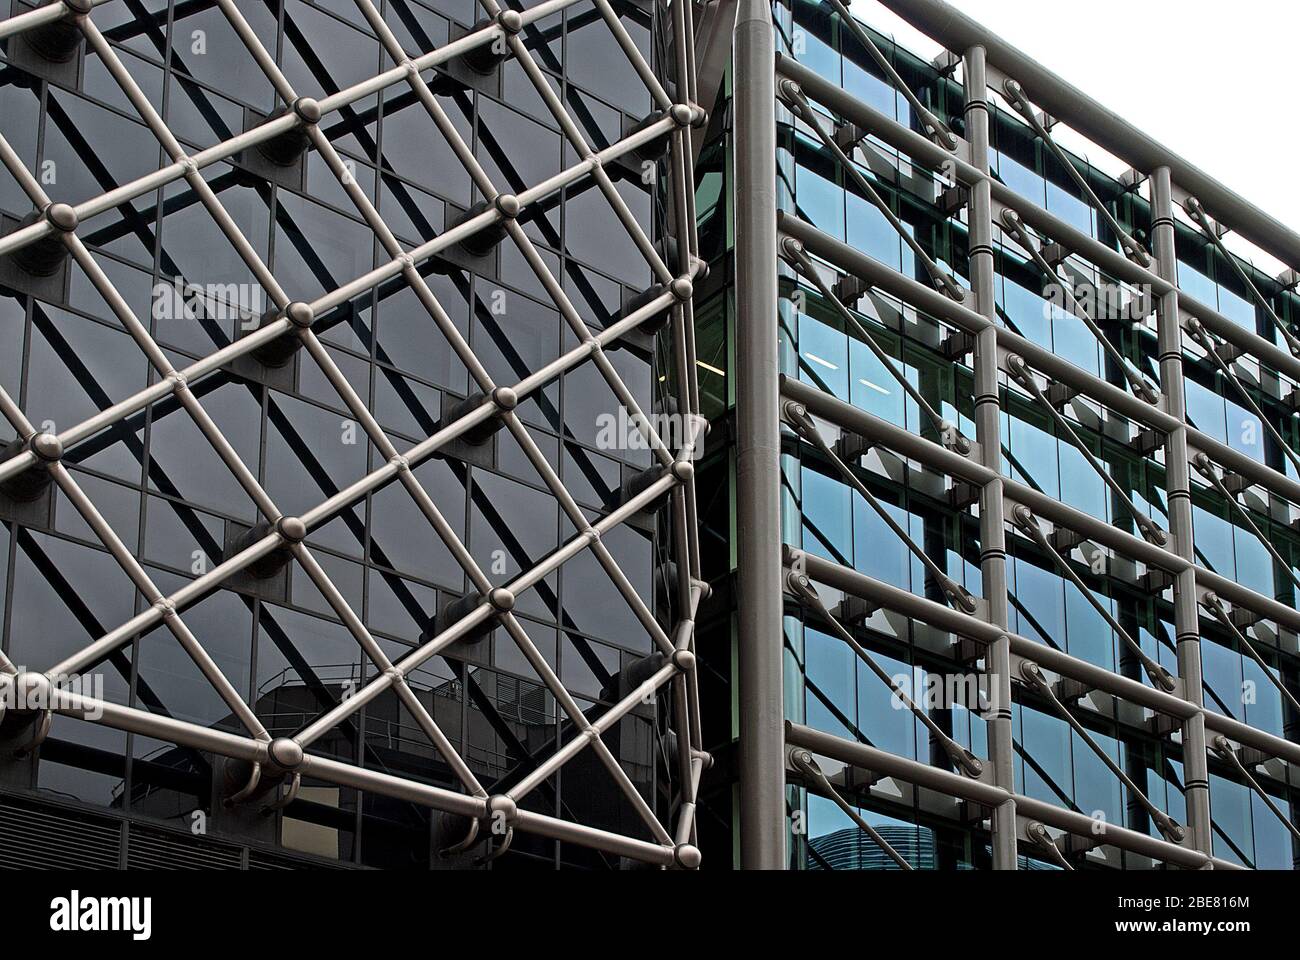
[758,446]
[988,427]
[1178,488]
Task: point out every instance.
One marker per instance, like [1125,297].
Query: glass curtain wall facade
[1104,601]
[453,252]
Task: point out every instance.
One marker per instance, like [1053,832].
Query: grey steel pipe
[988,427]
[986,794]
[1187,619]
[929,154]
[954,621]
[872,428]
[758,447]
[956,31]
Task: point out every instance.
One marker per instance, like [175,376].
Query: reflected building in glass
[358,509]
[1037,468]
[338,508]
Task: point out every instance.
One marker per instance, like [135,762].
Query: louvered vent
[40,836]
[156,850]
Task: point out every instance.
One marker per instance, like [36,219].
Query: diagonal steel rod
[798,417]
[1025,520]
[1223,747]
[1130,246]
[1172,830]
[948,431]
[803,762]
[933,125]
[802,588]
[1019,370]
[1209,344]
[1197,212]
[793,95]
[1212,603]
[1012,223]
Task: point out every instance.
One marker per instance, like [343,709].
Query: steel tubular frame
[673,475]
[986,60]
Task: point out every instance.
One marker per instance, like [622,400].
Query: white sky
[1214,82]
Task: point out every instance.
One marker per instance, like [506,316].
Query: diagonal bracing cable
[1021,373]
[803,761]
[1037,832]
[933,125]
[1205,466]
[1197,212]
[1132,249]
[1142,388]
[1209,343]
[1167,825]
[1024,518]
[797,416]
[1212,603]
[948,431]
[1224,749]
[966,761]
[798,102]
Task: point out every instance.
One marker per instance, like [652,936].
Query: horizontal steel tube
[1062,100]
[232,745]
[1039,358]
[919,148]
[570,832]
[874,429]
[953,621]
[923,775]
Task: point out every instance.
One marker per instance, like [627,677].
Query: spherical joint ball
[684,660]
[508,205]
[48,447]
[682,288]
[501,599]
[505,398]
[683,470]
[687,856]
[300,314]
[292,529]
[285,753]
[32,691]
[682,114]
[511,21]
[63,217]
[308,109]
[503,807]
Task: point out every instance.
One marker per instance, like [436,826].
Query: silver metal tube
[988,427]
[929,154]
[758,447]
[922,775]
[1178,487]
[956,31]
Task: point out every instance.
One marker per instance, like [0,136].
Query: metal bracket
[963,494]
[847,136]
[957,344]
[953,200]
[1059,394]
[1156,580]
[851,447]
[1064,540]
[1147,442]
[849,289]
[1242,618]
[853,609]
[1055,253]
